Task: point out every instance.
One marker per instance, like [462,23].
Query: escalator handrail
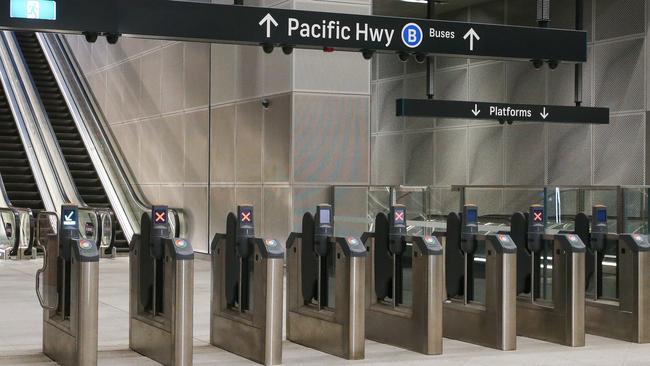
[48,137]
[93,128]
[24,118]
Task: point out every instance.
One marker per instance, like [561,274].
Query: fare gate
[161,295]
[325,288]
[247,296]
[404,285]
[70,292]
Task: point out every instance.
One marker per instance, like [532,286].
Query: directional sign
[501,111]
[70,215]
[308,29]
[33,9]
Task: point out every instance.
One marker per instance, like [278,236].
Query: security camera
[266,103]
[553,64]
[537,64]
[91,37]
[368,54]
[268,48]
[502,121]
[112,38]
[287,50]
[403,56]
[510,122]
[420,58]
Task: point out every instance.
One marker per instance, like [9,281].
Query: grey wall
[443,152]
[189,120]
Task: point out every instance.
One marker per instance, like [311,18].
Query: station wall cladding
[190,121]
[442,152]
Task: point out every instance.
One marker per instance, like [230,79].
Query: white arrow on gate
[476,111]
[268,19]
[472,35]
[68,217]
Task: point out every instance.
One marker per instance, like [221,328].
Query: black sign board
[69,216]
[238,24]
[501,111]
[159,215]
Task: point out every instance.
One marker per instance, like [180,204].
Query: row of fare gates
[386,285]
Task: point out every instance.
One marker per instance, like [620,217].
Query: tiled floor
[20,333]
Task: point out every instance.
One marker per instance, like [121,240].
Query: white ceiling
[401,8]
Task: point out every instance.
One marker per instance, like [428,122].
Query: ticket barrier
[16,233]
[404,285]
[550,281]
[247,291]
[325,288]
[618,282]
[481,281]
[161,270]
[70,292]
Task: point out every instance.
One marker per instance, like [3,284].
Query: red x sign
[399,215]
[246,217]
[160,217]
[537,216]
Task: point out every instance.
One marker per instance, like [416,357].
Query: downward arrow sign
[476,111]
[68,217]
[544,114]
[472,35]
[268,19]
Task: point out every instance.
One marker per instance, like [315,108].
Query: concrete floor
[21,332]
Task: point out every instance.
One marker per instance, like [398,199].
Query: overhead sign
[501,111]
[309,29]
[33,9]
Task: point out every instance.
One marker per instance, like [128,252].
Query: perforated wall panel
[619,151]
[619,74]
[486,155]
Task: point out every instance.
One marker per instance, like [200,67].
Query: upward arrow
[268,19]
[472,35]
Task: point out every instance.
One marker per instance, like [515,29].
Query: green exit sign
[33,9]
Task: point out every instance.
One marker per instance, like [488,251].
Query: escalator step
[74,151]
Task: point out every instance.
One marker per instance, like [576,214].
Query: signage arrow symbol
[476,111]
[268,19]
[544,114]
[472,35]
[68,217]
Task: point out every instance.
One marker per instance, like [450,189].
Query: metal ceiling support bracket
[543,13]
[578,66]
[431,61]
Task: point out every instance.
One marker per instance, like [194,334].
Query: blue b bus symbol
[412,35]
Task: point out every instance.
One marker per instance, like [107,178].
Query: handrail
[127,202]
[58,177]
[24,118]
[42,270]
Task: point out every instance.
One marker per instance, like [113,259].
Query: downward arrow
[544,114]
[472,35]
[476,111]
[268,19]
[68,217]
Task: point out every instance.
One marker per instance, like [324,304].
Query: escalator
[20,185]
[70,141]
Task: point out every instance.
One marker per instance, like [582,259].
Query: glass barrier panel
[636,210]
[7,229]
[407,276]
[478,273]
